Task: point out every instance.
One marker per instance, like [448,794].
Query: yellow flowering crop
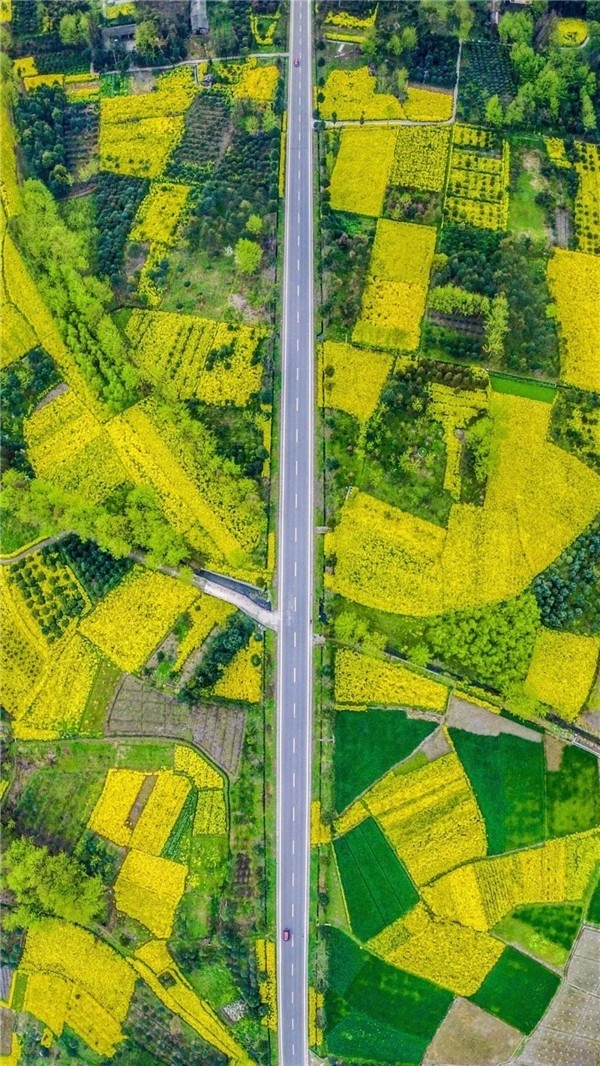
[65,687]
[139,132]
[161,811]
[352,816]
[430,817]
[57,947]
[555,148]
[579,322]
[427,105]
[265,962]
[242,679]
[362,169]
[93,1023]
[152,960]
[267,36]
[562,670]
[481,893]
[360,679]
[421,157]
[132,620]
[472,136]
[46,997]
[539,498]
[149,889]
[206,612]
[5,10]
[211,813]
[569,33]
[348,21]
[190,762]
[587,198]
[158,215]
[351,93]
[357,379]
[478,186]
[171,350]
[394,297]
[451,955]
[110,816]
[315,1003]
[256,82]
[319,833]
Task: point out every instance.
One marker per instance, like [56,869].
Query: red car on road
[296,62]
[286,934]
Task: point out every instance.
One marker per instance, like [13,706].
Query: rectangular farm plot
[394,297]
[578,319]
[352,378]
[362,168]
[421,157]
[518,990]
[149,889]
[376,885]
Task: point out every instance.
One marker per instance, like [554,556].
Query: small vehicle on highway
[296,62]
[286,934]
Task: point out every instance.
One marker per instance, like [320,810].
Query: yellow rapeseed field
[158,215]
[242,679]
[161,811]
[579,321]
[149,889]
[205,613]
[539,498]
[138,132]
[94,972]
[430,817]
[110,816]
[152,961]
[350,94]
[131,621]
[267,985]
[211,813]
[319,832]
[480,893]
[67,682]
[190,762]
[451,955]
[362,169]
[351,379]
[360,679]
[23,651]
[562,670]
[394,297]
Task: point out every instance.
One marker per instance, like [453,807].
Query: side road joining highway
[295,556]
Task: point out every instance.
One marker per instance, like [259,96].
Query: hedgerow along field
[431,571]
[139,226]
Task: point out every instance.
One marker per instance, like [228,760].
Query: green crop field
[368,744]
[376,886]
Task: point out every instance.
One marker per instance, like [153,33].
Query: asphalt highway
[295,556]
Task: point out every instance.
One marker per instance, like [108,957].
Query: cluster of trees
[97,570]
[229,22]
[40,117]
[218,653]
[245,182]
[492,264]
[43,885]
[131,519]
[22,385]
[118,197]
[567,592]
[79,300]
[236,433]
[556,86]
[344,240]
[492,644]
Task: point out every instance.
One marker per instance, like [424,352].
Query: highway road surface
[295,556]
